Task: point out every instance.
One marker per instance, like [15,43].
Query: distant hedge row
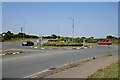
[55,44]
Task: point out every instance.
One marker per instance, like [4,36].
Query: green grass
[60,44]
[8,52]
[90,44]
[109,72]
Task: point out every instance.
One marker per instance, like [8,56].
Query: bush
[62,44]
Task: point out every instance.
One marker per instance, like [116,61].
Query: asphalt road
[19,66]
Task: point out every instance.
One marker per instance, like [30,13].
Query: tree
[78,40]
[92,37]
[54,36]
[9,32]
[21,35]
[8,35]
[111,37]
[83,37]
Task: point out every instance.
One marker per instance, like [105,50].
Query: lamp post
[21,29]
[72,28]
[24,30]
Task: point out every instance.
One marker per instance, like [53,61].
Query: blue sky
[60,0]
[0,18]
[97,19]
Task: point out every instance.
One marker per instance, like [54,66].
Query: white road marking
[34,75]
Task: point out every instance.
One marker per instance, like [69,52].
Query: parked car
[104,43]
[27,43]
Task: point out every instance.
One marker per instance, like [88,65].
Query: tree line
[9,35]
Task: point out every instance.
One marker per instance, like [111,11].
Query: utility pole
[24,30]
[58,32]
[72,28]
[21,29]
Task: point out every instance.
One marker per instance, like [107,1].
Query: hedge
[62,44]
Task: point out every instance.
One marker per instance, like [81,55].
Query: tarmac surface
[21,65]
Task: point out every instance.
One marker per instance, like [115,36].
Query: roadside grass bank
[9,52]
[110,71]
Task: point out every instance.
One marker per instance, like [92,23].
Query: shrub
[62,44]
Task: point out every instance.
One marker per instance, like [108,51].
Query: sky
[0,18]
[91,19]
[60,0]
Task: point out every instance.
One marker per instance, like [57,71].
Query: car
[27,43]
[104,43]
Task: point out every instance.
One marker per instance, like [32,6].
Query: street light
[72,27]
[23,32]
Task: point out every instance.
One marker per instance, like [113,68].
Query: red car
[104,43]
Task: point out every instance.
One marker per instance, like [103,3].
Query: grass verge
[110,71]
[8,52]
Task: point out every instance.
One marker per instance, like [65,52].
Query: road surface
[19,66]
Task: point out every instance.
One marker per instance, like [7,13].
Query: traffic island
[63,47]
[12,52]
